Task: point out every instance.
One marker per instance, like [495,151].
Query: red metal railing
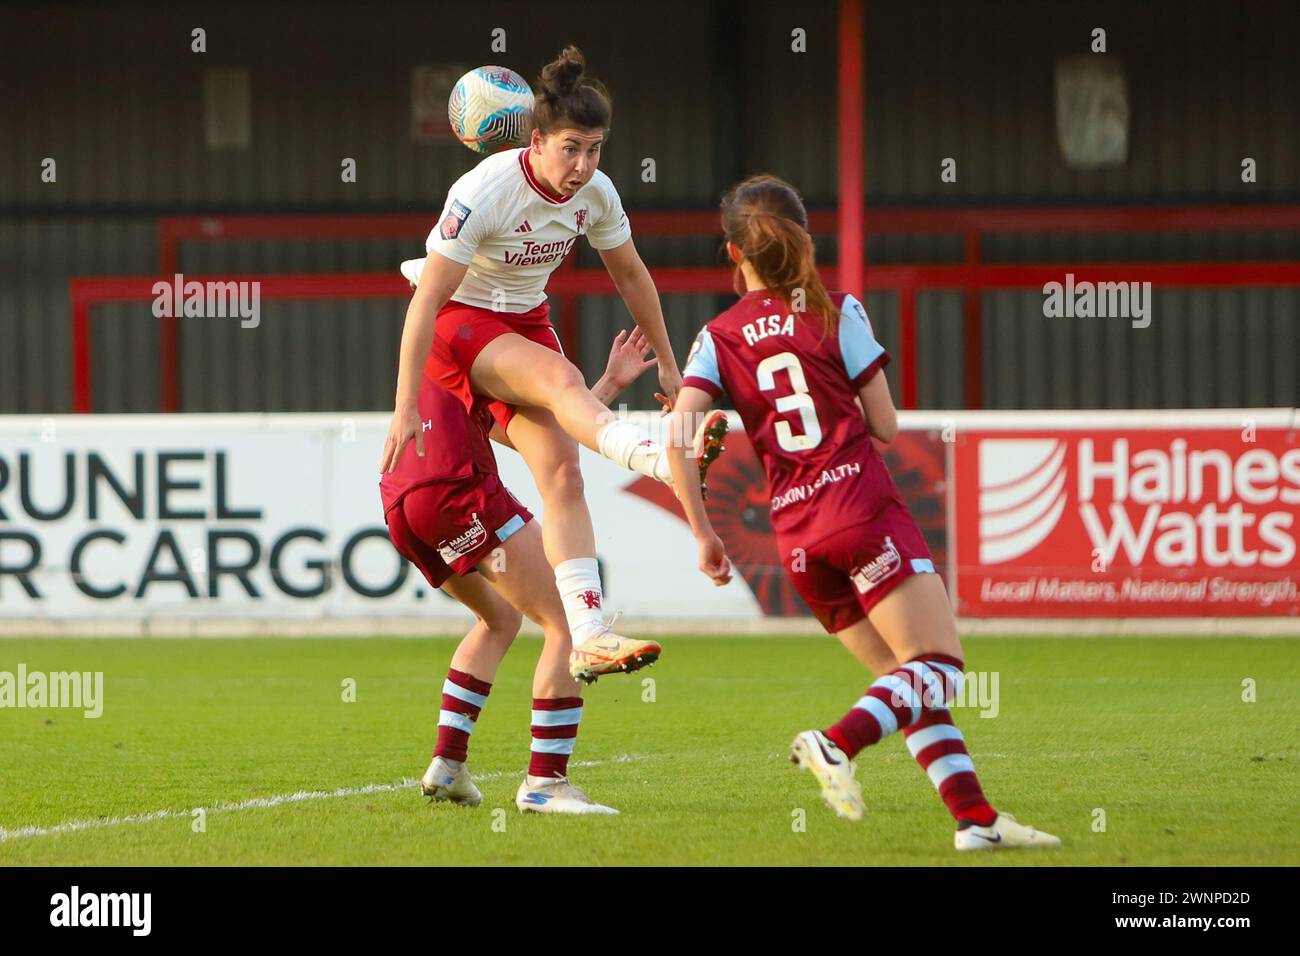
[972,276]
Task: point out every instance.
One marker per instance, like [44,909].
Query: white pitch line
[257,803]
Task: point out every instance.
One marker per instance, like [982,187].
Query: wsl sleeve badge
[454,220]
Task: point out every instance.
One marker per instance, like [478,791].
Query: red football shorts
[846,574]
[447,527]
[465,330]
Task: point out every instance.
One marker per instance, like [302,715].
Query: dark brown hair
[566,98]
[765,217]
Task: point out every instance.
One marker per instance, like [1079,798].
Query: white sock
[578,581]
[633,448]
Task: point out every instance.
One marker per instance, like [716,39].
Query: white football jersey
[512,233]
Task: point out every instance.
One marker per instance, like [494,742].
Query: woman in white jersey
[478,325]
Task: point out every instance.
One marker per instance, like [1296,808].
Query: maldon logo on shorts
[877,569]
[464,543]
[1022,494]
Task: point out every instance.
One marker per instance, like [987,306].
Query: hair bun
[562,75]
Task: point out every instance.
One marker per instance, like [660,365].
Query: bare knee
[560,379]
[561,478]
[502,623]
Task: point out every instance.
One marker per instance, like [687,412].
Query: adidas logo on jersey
[524,227]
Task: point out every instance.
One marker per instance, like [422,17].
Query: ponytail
[765,218]
[567,97]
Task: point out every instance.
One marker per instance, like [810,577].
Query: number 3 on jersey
[799,401]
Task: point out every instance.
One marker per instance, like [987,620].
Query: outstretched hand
[627,358]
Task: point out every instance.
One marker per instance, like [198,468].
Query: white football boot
[820,755]
[449,780]
[555,795]
[1004,834]
[610,653]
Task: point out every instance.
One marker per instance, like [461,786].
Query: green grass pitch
[1154,733]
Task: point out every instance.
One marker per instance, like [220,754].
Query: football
[489,108]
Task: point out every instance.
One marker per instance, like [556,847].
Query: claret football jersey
[795,386]
[456,445]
